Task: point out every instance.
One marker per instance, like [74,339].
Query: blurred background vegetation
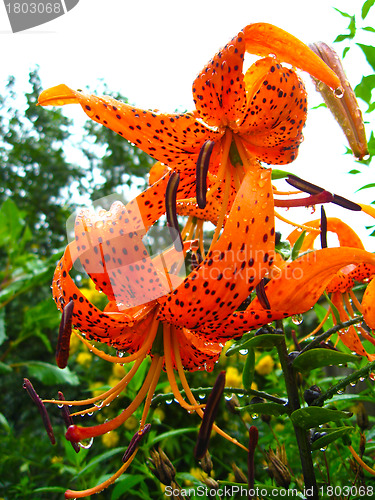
[42,183]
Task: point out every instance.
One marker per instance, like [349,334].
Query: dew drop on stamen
[243,352]
[86,443]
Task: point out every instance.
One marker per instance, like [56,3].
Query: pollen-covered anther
[203,163]
[65,332]
[262,296]
[68,420]
[135,442]
[171,210]
[209,415]
[42,409]
[313,189]
[323,228]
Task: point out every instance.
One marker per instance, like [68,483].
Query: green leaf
[3,335]
[332,435]
[50,489]
[274,409]
[344,14]
[369,28]
[248,370]
[283,248]
[313,416]
[50,374]
[321,312]
[264,340]
[127,482]
[317,358]
[171,434]
[297,245]
[369,52]
[364,89]
[366,7]
[4,423]
[279,174]
[367,186]
[4,368]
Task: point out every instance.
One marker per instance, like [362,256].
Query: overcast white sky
[151,51]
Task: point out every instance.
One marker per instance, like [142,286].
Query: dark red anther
[253,441]
[323,227]
[42,409]
[65,332]
[307,187]
[203,163]
[262,296]
[171,210]
[135,441]
[209,416]
[68,420]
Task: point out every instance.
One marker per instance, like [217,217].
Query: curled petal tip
[264,39]
[58,96]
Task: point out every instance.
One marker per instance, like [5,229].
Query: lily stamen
[65,332]
[203,164]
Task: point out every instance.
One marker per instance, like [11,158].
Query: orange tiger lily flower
[151,310]
[341,283]
[239,120]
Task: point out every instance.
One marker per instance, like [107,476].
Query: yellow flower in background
[265,365]
[110,439]
[233,377]
[131,423]
[84,359]
[197,473]
[118,370]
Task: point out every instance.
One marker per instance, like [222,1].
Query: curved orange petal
[346,236]
[174,139]
[298,287]
[264,39]
[276,112]
[233,267]
[218,91]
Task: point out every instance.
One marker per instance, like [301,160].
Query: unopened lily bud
[211,483]
[206,463]
[162,467]
[278,470]
[362,417]
[239,476]
[232,404]
[311,394]
[362,445]
[345,110]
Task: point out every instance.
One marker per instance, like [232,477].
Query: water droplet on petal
[243,352]
[339,92]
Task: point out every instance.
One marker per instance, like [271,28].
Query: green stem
[331,331]
[301,434]
[353,377]
[159,398]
